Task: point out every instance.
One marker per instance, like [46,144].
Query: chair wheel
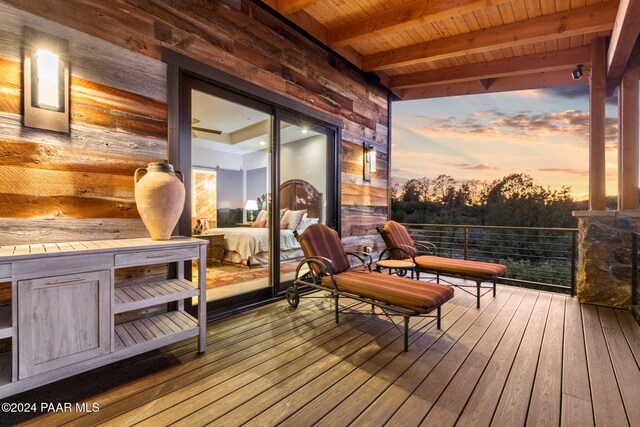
[292,297]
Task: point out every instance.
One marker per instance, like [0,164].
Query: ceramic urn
[159,195]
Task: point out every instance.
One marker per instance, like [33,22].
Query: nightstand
[244,224]
[215,248]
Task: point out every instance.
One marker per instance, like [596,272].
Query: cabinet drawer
[155,256]
[5,271]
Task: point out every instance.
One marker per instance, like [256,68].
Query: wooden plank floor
[525,358]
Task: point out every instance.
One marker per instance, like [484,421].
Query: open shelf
[5,321]
[5,368]
[134,297]
[150,332]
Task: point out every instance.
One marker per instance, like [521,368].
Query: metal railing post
[574,267]
[466,241]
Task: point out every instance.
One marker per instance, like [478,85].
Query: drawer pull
[158,256]
[58,282]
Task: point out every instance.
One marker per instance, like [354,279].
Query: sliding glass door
[307,185]
[257,175]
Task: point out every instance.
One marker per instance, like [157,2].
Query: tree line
[514,200]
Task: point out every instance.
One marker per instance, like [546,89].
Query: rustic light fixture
[46,81]
[577,73]
[369,162]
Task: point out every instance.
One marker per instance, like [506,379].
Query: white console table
[61,320]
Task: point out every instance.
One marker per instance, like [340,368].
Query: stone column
[604,256]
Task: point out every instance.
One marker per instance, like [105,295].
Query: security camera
[577,73]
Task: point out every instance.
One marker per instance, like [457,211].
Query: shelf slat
[134,297]
[5,322]
[154,331]
[5,368]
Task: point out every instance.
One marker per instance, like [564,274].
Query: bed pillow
[262,216]
[283,225]
[259,224]
[305,222]
[282,212]
[293,218]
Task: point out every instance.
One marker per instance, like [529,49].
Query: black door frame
[183,75]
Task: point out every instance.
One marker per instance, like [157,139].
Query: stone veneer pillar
[604,256]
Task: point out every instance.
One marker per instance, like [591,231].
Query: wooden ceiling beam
[626,30]
[418,12]
[504,84]
[586,20]
[287,7]
[550,61]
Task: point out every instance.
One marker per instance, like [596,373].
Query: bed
[250,246]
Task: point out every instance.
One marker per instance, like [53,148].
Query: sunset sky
[544,133]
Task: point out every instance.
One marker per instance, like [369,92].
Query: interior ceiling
[242,129]
[429,48]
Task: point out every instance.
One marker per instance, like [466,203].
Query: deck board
[525,357]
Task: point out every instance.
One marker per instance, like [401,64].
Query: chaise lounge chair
[329,270]
[401,246]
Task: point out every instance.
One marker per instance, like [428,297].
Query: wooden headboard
[298,194]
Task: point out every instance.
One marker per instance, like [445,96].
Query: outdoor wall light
[369,161]
[45,81]
[577,73]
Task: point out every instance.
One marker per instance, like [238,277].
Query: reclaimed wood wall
[79,186]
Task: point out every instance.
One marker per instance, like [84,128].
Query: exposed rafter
[287,7]
[550,61]
[503,84]
[418,12]
[623,39]
[590,19]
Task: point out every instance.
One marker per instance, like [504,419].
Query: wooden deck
[526,357]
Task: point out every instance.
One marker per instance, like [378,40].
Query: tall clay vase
[160,198]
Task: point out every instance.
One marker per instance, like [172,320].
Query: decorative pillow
[262,216]
[293,218]
[282,212]
[283,225]
[259,224]
[305,222]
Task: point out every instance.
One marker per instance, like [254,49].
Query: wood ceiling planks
[403,38]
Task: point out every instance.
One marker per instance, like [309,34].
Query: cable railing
[537,257]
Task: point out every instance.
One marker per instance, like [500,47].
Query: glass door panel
[231,168]
[304,193]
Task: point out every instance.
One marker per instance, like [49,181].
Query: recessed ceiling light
[305,130]
[263,143]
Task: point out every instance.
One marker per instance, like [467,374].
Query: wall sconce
[251,206]
[45,81]
[369,161]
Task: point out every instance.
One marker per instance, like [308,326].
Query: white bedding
[248,242]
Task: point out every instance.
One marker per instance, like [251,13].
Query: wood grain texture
[118,109]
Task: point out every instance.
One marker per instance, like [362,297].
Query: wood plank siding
[79,186]
[525,358]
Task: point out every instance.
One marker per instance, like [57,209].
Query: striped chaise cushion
[397,235]
[421,297]
[483,270]
[320,240]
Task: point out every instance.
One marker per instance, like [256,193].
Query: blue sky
[543,132]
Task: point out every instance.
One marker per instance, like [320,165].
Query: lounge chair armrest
[407,250]
[426,248]
[364,257]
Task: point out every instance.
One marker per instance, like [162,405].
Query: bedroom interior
[231,161]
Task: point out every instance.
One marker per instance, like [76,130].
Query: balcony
[525,356]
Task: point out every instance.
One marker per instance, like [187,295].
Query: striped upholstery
[481,270]
[397,235]
[420,297]
[320,240]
